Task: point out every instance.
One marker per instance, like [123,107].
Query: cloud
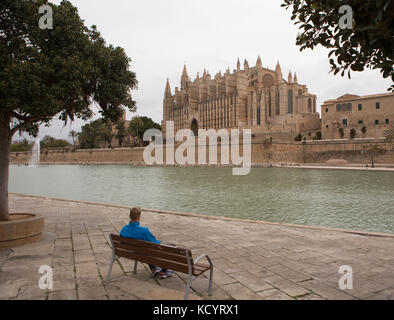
[160,36]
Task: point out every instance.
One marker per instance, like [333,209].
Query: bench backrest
[152,253]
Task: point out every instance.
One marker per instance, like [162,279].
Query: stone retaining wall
[288,153]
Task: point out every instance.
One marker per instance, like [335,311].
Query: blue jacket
[135,231]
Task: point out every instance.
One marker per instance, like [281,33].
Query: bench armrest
[204,256]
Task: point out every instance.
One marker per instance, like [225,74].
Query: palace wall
[310,152]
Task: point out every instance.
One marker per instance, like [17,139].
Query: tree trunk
[5,144]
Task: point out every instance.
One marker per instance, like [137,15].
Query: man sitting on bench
[133,230]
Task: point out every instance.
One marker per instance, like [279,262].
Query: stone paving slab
[253,260]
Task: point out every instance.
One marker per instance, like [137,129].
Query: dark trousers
[151,267]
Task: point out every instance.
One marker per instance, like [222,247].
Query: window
[349,107]
[376,121]
[360,107]
[258,116]
[344,122]
[290,101]
[360,121]
[338,107]
[326,109]
[326,126]
[344,107]
[377,105]
[387,121]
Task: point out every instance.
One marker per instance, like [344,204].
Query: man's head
[135,214]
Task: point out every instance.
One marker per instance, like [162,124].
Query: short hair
[135,213]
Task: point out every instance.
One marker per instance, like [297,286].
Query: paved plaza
[253,260]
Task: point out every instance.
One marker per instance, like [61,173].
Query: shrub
[352,134]
[298,137]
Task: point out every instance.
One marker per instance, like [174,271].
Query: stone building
[352,116]
[252,97]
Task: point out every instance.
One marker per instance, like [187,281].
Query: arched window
[344,107]
[309,105]
[258,116]
[314,105]
[278,104]
[338,107]
[349,107]
[290,101]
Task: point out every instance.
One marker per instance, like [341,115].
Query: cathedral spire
[289,77]
[295,78]
[246,65]
[278,72]
[238,65]
[184,78]
[204,74]
[167,92]
[258,62]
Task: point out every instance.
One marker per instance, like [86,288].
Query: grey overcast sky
[161,35]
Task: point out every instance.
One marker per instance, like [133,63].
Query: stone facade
[255,97]
[366,116]
[318,152]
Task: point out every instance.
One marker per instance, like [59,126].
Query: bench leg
[110,269]
[210,281]
[135,267]
[189,282]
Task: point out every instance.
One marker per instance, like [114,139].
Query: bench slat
[152,252]
[146,244]
[179,267]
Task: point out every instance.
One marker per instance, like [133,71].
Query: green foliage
[22,146]
[59,71]
[49,142]
[121,132]
[138,126]
[373,150]
[73,135]
[352,133]
[369,44]
[389,134]
[92,134]
[298,137]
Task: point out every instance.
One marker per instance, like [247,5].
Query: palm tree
[136,127]
[73,134]
[373,150]
[389,133]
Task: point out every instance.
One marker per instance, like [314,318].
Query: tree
[135,128]
[107,133]
[92,134]
[22,146]
[373,150]
[49,142]
[389,133]
[367,44]
[352,133]
[54,72]
[138,126]
[73,134]
[121,132]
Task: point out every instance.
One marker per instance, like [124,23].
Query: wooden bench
[164,256]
